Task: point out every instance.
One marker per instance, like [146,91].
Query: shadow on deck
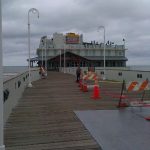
[44,118]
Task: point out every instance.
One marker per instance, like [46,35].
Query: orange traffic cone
[81,86]
[122,104]
[96,91]
[123,101]
[80,83]
[85,88]
[147,118]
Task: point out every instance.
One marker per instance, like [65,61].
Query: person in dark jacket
[78,73]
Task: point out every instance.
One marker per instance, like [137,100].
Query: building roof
[40,58]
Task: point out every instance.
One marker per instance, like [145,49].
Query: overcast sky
[128,19]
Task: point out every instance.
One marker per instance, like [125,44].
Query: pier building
[75,50]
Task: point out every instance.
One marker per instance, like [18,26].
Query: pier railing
[116,74]
[14,88]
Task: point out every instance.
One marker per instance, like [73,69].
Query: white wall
[114,73]
[15,92]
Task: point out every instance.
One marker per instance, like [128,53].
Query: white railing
[14,88]
[116,74]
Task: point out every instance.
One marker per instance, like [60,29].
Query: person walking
[43,72]
[78,73]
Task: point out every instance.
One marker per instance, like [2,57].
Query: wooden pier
[44,118]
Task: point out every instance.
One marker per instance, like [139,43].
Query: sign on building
[72,38]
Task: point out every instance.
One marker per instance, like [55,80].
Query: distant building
[78,52]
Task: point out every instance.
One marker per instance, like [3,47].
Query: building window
[119,73]
[120,53]
[93,52]
[114,63]
[109,53]
[102,72]
[139,75]
[101,53]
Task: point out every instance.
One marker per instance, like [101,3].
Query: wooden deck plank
[44,118]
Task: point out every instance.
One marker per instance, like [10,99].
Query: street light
[34,11]
[124,42]
[60,62]
[103,27]
[64,58]
[42,56]
[45,43]
[2,147]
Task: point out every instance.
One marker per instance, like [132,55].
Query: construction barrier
[133,86]
[137,86]
[90,80]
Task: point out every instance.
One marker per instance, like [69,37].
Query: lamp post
[34,11]
[104,77]
[60,62]
[42,57]
[64,59]
[2,147]
[45,41]
[124,42]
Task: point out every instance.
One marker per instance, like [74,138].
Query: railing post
[2,147]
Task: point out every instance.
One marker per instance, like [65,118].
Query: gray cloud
[121,18]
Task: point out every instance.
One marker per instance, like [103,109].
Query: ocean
[140,68]
[10,71]
[14,69]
